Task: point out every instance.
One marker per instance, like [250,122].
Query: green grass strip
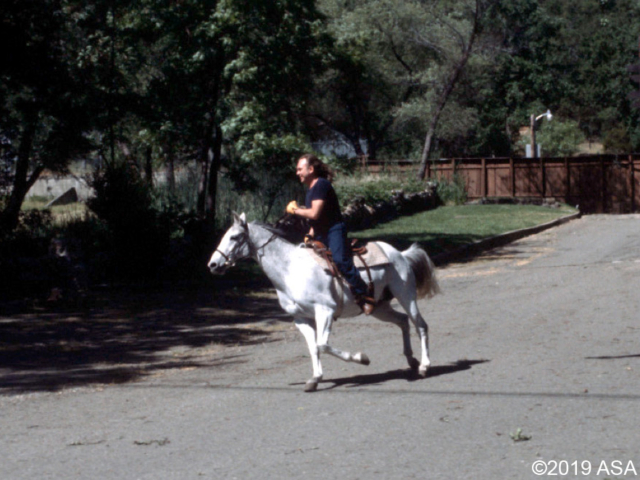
[447,228]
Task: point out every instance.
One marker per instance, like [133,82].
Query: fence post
[543,180]
[604,184]
[512,172]
[567,179]
[483,176]
[632,184]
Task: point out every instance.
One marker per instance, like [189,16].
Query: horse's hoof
[414,364]
[422,371]
[363,359]
[311,386]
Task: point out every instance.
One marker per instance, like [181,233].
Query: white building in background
[339,147]
[52,186]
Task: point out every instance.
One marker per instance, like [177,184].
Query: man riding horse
[322,209]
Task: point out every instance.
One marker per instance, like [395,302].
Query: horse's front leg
[307,329]
[386,313]
[324,320]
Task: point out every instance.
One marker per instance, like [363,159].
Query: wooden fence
[597,183]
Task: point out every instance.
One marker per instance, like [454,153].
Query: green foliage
[557,138]
[34,228]
[343,164]
[568,56]
[617,140]
[263,154]
[254,203]
[23,255]
[235,90]
[375,188]
[453,191]
[139,234]
[391,63]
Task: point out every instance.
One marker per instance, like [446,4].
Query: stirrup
[367,304]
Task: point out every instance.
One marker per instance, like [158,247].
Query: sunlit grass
[61,214]
[449,227]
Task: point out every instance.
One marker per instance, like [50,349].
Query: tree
[455,56]
[231,85]
[43,109]
[397,67]
[567,56]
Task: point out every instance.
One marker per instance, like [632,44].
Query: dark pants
[337,241]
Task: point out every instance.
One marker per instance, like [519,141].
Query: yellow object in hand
[292,206]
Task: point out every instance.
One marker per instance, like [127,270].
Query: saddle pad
[375,256]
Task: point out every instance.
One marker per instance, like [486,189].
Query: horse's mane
[273,229]
[290,229]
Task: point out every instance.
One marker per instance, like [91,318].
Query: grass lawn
[447,228]
[61,214]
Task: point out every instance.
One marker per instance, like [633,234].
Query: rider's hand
[308,239]
[291,208]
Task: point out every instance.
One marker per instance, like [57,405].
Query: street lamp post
[534,119]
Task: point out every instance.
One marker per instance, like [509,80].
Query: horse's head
[233,246]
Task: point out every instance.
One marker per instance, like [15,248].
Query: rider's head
[311,167]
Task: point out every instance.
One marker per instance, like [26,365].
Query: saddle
[364,257]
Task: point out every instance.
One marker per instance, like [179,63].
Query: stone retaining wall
[360,216]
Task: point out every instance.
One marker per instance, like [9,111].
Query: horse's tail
[424,270]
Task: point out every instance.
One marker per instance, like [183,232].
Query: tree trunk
[427,148]
[212,190]
[450,85]
[203,161]
[22,182]
[170,172]
[148,166]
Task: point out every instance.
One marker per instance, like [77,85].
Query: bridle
[227,260]
[229,263]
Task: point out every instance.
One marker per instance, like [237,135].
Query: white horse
[315,299]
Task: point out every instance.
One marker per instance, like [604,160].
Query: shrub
[617,141]
[24,266]
[452,191]
[139,235]
[375,188]
[557,138]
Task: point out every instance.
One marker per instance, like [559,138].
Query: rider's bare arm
[312,213]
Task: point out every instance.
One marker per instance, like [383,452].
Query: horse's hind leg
[308,331]
[410,305]
[385,313]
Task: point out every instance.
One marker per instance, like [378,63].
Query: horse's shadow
[400,374]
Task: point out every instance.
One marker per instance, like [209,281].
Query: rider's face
[304,172]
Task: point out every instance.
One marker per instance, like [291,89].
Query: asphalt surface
[535,358]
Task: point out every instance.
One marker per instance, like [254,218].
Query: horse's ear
[241,219]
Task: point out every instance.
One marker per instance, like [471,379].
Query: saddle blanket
[375,256]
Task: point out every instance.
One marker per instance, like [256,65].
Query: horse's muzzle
[218,268]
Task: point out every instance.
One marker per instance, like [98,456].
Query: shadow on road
[123,337]
[401,374]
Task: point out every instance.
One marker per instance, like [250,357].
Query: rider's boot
[367,304]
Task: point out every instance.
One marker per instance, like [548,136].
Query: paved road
[539,337]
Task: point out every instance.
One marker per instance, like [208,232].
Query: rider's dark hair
[321,169]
